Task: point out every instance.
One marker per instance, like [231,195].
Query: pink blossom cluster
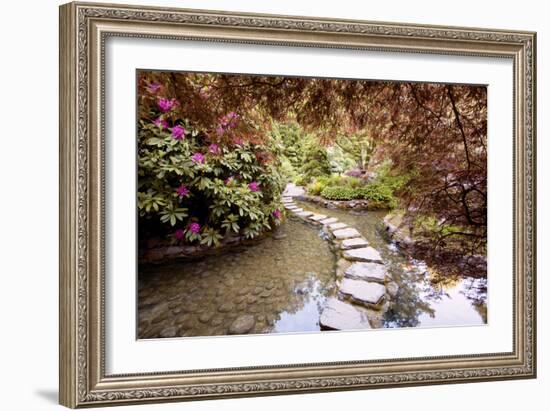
[178,132]
[160,123]
[214,149]
[198,158]
[254,186]
[154,87]
[182,191]
[165,105]
[194,228]
[227,122]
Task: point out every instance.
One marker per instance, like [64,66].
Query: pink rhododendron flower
[277,214]
[179,234]
[194,228]
[166,105]
[238,141]
[154,87]
[160,123]
[198,158]
[214,148]
[182,191]
[178,132]
[254,186]
[228,180]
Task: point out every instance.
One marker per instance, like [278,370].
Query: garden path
[362,279]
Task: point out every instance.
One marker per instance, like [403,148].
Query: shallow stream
[422,299]
[282,283]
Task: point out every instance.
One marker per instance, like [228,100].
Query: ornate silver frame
[83,30]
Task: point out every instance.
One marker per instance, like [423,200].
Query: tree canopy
[435,134]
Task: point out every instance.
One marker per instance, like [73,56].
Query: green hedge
[320,183]
[341,193]
[379,194]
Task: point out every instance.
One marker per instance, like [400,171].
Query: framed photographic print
[259,204]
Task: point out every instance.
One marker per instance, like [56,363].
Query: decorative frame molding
[83,30]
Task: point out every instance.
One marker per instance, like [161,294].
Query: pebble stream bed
[277,285]
[281,284]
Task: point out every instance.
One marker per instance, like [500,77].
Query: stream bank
[285,282]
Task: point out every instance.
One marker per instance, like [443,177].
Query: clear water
[423,299]
[283,283]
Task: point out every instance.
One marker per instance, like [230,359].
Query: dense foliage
[198,189]
[316,164]
[379,193]
[434,134]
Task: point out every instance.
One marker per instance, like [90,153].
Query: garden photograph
[279,204]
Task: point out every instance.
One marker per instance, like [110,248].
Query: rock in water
[169,332]
[393,289]
[367,271]
[242,324]
[339,315]
[367,254]
[327,221]
[346,233]
[279,235]
[363,292]
[226,307]
[354,243]
[337,226]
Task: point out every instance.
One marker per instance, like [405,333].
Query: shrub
[315,188]
[301,180]
[341,193]
[320,183]
[380,196]
[316,164]
[190,189]
[384,177]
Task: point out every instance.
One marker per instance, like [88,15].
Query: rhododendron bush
[198,187]
[213,149]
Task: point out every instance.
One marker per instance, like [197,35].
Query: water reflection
[424,297]
[282,283]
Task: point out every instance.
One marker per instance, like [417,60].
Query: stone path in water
[363,283]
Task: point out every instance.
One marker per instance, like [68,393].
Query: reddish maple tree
[436,134]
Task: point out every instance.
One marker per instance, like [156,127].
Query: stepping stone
[337,226]
[288,199]
[328,221]
[291,207]
[354,243]
[303,213]
[297,210]
[367,254]
[363,292]
[339,315]
[346,233]
[367,271]
[317,217]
